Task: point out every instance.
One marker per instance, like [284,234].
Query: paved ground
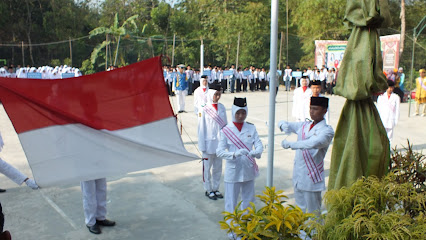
[161,203]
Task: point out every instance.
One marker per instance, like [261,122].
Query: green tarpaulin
[361,145]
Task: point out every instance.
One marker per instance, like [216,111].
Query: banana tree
[116,32]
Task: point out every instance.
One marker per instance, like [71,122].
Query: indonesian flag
[94,126]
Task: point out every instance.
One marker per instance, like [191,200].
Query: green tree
[116,32]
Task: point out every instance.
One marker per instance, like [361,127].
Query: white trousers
[94,200]
[389,131]
[212,171]
[11,172]
[180,95]
[232,191]
[309,202]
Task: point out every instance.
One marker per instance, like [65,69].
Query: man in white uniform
[388,107]
[94,204]
[239,144]
[313,140]
[213,119]
[301,100]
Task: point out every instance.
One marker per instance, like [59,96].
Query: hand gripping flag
[94,126]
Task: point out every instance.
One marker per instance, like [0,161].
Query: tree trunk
[402,16]
[228,49]
[28,32]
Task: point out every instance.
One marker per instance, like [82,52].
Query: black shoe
[95,229]
[105,223]
[211,195]
[2,190]
[218,194]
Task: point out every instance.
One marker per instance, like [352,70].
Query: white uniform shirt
[239,169]
[287,73]
[301,104]
[200,99]
[388,109]
[317,141]
[262,75]
[209,130]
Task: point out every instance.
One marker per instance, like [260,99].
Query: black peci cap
[240,102]
[315,82]
[319,101]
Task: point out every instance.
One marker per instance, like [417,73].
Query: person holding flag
[213,119]
[239,145]
[313,140]
[13,173]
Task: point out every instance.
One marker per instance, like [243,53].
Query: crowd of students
[44,72]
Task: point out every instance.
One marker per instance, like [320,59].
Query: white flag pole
[272,93]
[201,58]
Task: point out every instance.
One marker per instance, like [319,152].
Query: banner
[390,51]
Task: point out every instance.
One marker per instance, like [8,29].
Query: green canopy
[361,145]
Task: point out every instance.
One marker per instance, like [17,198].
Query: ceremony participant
[213,119]
[330,81]
[401,76]
[196,79]
[313,140]
[239,144]
[233,78]
[388,107]
[239,79]
[262,79]
[316,92]
[287,77]
[94,204]
[252,81]
[301,101]
[181,87]
[397,89]
[322,77]
[190,76]
[13,173]
[421,92]
[200,96]
[244,80]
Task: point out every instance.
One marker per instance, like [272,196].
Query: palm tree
[116,32]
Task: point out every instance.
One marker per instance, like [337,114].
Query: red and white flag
[94,126]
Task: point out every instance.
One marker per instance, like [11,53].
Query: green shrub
[409,167]
[273,221]
[373,209]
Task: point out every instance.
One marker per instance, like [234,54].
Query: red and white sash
[213,114]
[315,170]
[239,144]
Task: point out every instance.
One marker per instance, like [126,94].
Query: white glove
[283,125]
[253,153]
[32,184]
[241,152]
[204,155]
[285,144]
